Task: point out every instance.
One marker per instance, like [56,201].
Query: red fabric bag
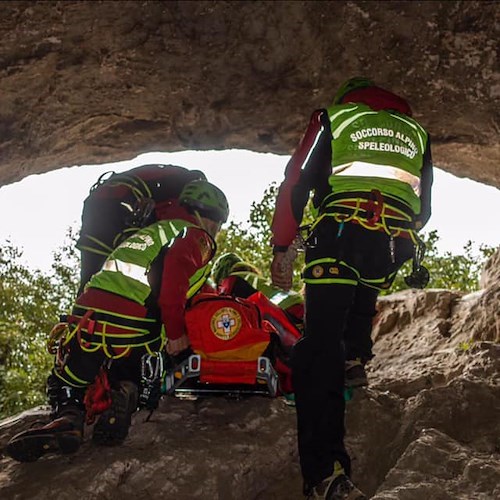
[229,335]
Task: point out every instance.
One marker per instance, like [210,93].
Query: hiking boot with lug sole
[336,488]
[355,374]
[112,427]
[62,435]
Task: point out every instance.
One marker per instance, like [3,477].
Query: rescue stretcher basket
[188,378]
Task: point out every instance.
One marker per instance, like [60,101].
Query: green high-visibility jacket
[125,271]
[381,150]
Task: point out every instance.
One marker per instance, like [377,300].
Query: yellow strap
[391,231]
[106,249]
[121,181]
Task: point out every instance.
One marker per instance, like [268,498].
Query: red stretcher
[241,346]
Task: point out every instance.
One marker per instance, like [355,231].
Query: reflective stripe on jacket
[125,272]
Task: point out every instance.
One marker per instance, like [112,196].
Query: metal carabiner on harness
[392,248]
[309,241]
[152,369]
[140,212]
[419,277]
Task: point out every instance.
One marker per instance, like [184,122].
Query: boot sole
[31,448]
[112,427]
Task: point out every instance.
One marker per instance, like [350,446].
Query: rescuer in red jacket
[121,203]
[134,304]
[369,166]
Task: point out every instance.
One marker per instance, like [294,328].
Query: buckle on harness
[375,206]
[140,212]
[309,240]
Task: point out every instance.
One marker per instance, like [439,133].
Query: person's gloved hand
[282,270]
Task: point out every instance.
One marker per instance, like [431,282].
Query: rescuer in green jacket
[135,304]
[369,166]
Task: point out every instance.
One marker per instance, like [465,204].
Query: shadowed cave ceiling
[85,82]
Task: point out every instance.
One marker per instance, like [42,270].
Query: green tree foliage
[31,301]
[253,240]
[30,305]
[252,243]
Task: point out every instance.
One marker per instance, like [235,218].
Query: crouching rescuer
[133,305]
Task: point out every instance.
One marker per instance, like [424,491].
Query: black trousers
[357,331]
[340,304]
[86,366]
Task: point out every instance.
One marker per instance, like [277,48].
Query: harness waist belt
[119,340]
[137,324]
[391,221]
[368,196]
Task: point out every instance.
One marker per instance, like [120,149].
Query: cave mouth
[58,195]
[243,175]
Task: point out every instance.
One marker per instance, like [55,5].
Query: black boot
[63,434]
[112,427]
[355,374]
[336,487]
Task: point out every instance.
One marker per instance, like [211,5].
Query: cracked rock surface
[428,426]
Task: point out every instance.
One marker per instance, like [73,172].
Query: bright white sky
[37,211]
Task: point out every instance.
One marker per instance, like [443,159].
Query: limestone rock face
[436,466]
[86,82]
[428,426]
[93,82]
[211,448]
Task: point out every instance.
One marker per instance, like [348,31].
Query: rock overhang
[95,82]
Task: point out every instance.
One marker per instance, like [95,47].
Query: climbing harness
[369,209]
[374,212]
[95,330]
[115,334]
